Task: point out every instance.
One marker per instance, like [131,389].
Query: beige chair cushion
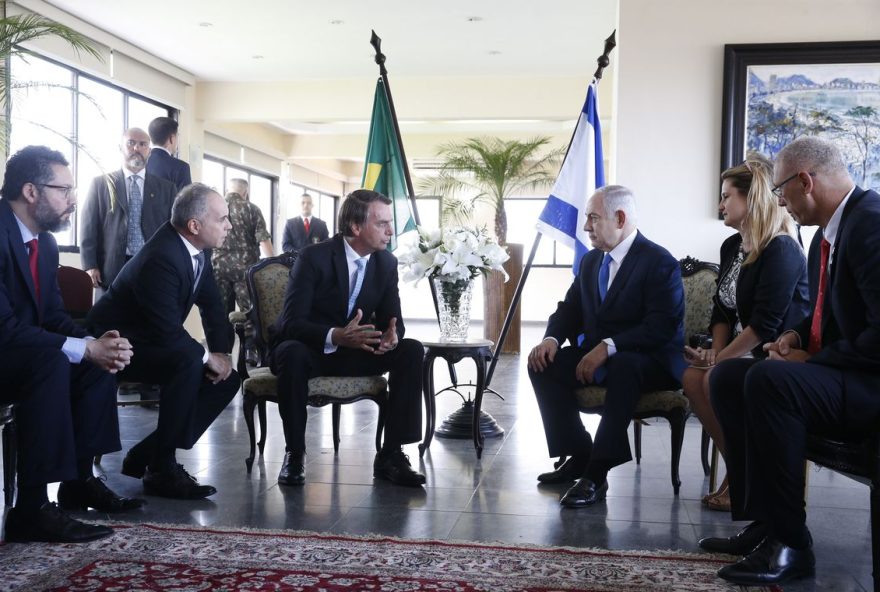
[270,283]
[594,396]
[262,383]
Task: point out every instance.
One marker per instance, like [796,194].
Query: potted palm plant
[18,29]
[488,170]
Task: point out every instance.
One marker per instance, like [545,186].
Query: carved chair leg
[337,408]
[248,406]
[380,427]
[10,455]
[704,452]
[264,427]
[637,437]
[677,420]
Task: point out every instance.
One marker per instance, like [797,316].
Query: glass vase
[454,304]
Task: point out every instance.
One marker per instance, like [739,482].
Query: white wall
[670,60]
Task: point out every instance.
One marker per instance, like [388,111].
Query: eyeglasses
[777,190]
[67,189]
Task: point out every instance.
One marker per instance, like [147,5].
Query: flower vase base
[454,305]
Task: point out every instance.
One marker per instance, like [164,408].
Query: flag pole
[602,61]
[376,42]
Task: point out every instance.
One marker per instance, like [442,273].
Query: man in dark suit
[627,302]
[149,302]
[162,162]
[59,380]
[822,377]
[333,287]
[304,230]
[122,211]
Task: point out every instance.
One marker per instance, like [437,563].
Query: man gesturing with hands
[341,317]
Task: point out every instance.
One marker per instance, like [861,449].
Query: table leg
[480,362]
[430,405]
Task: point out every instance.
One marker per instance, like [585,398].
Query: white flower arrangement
[455,253]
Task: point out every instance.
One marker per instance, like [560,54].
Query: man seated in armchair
[341,317]
[60,381]
[627,301]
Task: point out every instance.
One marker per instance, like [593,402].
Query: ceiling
[286,40]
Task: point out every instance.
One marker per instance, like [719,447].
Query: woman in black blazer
[762,288]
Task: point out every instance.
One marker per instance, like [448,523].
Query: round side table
[479,350]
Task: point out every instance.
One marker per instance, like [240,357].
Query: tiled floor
[493,499]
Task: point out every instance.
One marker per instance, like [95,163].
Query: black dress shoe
[771,563]
[175,483]
[293,469]
[571,469]
[584,493]
[742,543]
[50,524]
[133,465]
[93,493]
[394,466]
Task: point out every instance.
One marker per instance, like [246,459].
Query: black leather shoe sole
[742,543]
[85,534]
[52,526]
[580,496]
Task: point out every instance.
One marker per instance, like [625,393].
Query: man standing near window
[304,230]
[163,161]
[122,211]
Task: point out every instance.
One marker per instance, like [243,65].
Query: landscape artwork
[838,101]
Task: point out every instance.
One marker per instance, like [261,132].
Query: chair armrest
[239,322]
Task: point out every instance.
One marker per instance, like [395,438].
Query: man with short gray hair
[821,377]
[623,316]
[148,302]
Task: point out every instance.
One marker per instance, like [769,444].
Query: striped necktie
[358,282]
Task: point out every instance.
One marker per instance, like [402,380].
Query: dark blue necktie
[603,276]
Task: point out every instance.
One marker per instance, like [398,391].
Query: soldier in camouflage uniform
[241,248]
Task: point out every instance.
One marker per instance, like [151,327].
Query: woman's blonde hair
[764,217]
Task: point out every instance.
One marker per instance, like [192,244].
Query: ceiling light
[257,57]
[494,52]
[337,22]
[206,24]
[474,19]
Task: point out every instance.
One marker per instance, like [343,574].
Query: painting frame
[738,58]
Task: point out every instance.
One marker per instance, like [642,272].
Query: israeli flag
[582,172]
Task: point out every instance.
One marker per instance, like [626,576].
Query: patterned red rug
[169,557]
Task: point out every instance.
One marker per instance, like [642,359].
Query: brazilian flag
[384,167]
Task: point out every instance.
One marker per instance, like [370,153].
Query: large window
[217,173]
[78,115]
[522,215]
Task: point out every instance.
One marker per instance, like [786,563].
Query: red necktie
[306,224]
[32,261]
[816,325]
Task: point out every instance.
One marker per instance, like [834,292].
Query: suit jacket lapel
[340,264]
[17,247]
[626,269]
[118,180]
[851,204]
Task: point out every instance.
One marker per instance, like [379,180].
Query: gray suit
[105,221]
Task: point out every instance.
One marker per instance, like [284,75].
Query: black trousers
[189,402]
[64,412]
[766,409]
[629,374]
[294,363]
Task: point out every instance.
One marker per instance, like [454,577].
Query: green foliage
[492,169]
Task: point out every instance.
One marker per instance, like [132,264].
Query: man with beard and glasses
[60,381]
[122,211]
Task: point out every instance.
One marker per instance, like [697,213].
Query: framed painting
[776,92]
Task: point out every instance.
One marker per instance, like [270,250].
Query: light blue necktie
[604,271]
[135,207]
[358,282]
